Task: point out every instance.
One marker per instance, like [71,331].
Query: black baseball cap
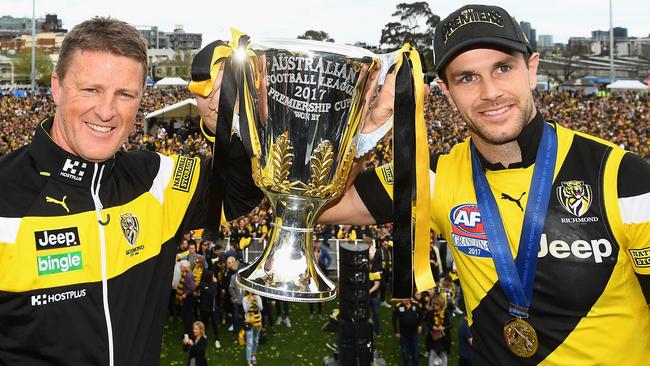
[474,25]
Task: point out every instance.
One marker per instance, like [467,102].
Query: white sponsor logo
[57,238]
[73,169]
[44,299]
[582,249]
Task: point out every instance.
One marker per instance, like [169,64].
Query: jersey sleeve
[240,194]
[633,186]
[375,188]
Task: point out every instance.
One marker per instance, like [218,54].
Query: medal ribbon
[517,279]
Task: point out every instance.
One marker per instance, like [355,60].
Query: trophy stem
[287,269]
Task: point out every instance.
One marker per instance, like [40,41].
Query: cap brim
[484,41]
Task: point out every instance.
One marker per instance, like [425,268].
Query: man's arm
[367,201]
[349,209]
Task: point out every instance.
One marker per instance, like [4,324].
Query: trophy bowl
[302,104]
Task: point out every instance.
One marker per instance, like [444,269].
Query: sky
[347,21]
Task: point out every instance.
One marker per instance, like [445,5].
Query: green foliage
[23,67]
[415,25]
[316,36]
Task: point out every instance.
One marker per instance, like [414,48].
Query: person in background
[464,342]
[235,297]
[282,310]
[267,315]
[252,304]
[434,259]
[385,258]
[196,345]
[208,305]
[438,339]
[324,260]
[185,295]
[447,290]
[347,232]
[407,320]
[375,279]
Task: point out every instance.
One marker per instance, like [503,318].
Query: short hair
[103,35]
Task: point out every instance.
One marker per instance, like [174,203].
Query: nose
[490,89]
[105,108]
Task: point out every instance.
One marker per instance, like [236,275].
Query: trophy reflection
[301,106]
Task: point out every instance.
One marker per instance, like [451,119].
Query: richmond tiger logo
[130,227]
[575,196]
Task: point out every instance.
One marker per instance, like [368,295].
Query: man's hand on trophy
[209,106]
[382,108]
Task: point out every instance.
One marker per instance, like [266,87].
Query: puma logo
[505,196]
[62,202]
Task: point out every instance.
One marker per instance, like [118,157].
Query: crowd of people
[621,119]
[204,293]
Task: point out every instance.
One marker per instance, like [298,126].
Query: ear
[445,90]
[533,64]
[55,88]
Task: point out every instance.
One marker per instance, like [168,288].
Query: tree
[316,36]
[415,25]
[44,67]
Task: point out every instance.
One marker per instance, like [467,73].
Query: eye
[126,95]
[504,68]
[467,79]
[89,90]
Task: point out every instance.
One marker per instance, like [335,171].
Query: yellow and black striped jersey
[593,270]
[87,251]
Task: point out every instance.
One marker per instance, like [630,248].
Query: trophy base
[287,269]
[282,294]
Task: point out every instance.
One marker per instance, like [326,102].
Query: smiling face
[492,91]
[96,104]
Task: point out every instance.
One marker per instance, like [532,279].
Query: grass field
[302,344]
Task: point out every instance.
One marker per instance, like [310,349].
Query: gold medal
[520,337]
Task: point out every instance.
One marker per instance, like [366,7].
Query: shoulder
[138,164]
[20,181]
[561,130]
[633,176]
[14,163]
[458,152]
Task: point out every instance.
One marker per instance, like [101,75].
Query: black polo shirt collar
[528,141]
[61,165]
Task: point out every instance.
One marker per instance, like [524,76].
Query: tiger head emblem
[575,197]
[130,227]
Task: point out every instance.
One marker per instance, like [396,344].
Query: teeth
[492,113]
[99,128]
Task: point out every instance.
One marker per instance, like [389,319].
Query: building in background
[545,41]
[530,33]
[177,40]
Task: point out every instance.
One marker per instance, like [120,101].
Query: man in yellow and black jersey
[589,292]
[88,233]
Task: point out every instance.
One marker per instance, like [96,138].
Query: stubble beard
[502,137]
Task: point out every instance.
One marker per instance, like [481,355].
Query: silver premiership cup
[304,104]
